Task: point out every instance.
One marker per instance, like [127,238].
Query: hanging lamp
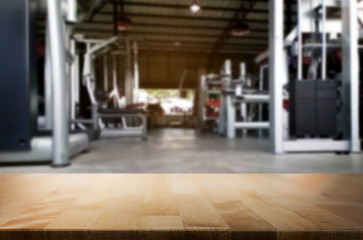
[240,29]
[195,7]
[123,23]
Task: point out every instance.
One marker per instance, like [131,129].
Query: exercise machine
[210,92]
[99,98]
[322,26]
[241,94]
[22,139]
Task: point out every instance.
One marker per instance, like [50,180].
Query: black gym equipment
[22,138]
[18,74]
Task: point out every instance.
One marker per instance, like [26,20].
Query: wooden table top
[251,206]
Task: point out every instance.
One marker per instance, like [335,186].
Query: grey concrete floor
[185,151]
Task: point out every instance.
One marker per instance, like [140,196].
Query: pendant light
[240,29]
[123,23]
[195,7]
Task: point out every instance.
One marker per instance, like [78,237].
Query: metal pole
[260,106]
[115,86]
[276,82]
[239,88]
[73,81]
[299,36]
[93,71]
[128,75]
[48,84]
[136,73]
[324,47]
[223,112]
[243,105]
[144,127]
[351,72]
[105,73]
[231,110]
[72,11]
[76,79]
[58,59]
[201,97]
[114,71]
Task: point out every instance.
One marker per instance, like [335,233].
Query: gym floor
[185,151]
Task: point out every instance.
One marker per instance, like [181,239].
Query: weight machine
[321,22]
[99,98]
[22,138]
[238,94]
[210,92]
[244,95]
[222,97]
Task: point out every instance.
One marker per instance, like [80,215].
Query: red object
[286,104]
[213,103]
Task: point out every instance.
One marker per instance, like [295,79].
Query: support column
[59,76]
[105,73]
[230,107]
[128,74]
[260,105]
[114,80]
[351,72]
[73,79]
[239,92]
[136,73]
[276,64]
[48,91]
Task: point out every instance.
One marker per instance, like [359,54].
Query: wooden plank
[153,205]
[158,207]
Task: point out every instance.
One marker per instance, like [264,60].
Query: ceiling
[159,24]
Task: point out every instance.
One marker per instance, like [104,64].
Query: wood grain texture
[186,207]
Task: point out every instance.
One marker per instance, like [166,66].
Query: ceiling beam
[199,46]
[187,6]
[214,36]
[182,17]
[196,41]
[173,26]
[259,46]
[193,50]
[152,25]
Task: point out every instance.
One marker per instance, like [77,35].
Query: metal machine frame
[232,93]
[237,94]
[61,146]
[206,83]
[350,75]
[94,46]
